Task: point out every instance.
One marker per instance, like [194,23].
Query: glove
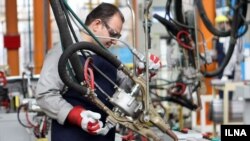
[87,120]
[224,78]
[154,65]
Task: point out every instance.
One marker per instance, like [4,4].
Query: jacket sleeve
[49,87]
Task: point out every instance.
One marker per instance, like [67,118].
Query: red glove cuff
[74,116]
[139,71]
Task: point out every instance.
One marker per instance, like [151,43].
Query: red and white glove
[89,121]
[154,65]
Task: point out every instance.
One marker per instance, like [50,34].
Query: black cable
[182,101]
[167,82]
[66,39]
[209,24]
[196,86]
[24,85]
[178,11]
[167,7]
[67,13]
[168,25]
[18,115]
[73,49]
[179,16]
[68,20]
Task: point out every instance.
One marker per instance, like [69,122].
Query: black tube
[68,20]
[167,8]
[168,25]
[178,11]
[18,115]
[182,101]
[65,36]
[210,26]
[72,50]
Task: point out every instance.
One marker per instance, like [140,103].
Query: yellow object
[17,101]
[42,139]
[221,18]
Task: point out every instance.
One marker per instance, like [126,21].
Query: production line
[124,70]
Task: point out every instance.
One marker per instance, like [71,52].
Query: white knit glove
[154,65]
[88,120]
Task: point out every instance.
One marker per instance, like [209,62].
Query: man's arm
[49,86]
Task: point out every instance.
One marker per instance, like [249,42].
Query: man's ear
[96,24]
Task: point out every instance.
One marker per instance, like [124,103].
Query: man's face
[111,28]
[223,26]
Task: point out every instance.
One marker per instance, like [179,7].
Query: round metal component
[126,103]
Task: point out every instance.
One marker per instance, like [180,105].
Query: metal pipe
[29,32]
[148,4]
[12,34]
[133,22]
[133,31]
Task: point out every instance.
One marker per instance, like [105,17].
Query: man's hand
[89,121]
[154,65]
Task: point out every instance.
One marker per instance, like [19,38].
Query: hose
[72,50]
[168,25]
[211,27]
[65,36]
[182,101]
[178,11]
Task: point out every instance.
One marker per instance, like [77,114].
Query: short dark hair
[104,11]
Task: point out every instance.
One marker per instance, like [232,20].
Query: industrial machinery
[191,65]
[134,109]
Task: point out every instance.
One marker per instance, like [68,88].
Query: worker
[232,70]
[73,117]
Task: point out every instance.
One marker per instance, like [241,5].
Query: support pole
[12,37]
[210,10]
[42,33]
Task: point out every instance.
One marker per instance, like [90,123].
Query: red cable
[129,136]
[181,89]
[44,126]
[86,66]
[28,120]
[88,74]
[143,138]
[184,33]
[92,80]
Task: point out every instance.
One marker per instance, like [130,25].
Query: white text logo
[235,132]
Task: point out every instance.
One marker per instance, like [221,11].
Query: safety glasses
[112,32]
